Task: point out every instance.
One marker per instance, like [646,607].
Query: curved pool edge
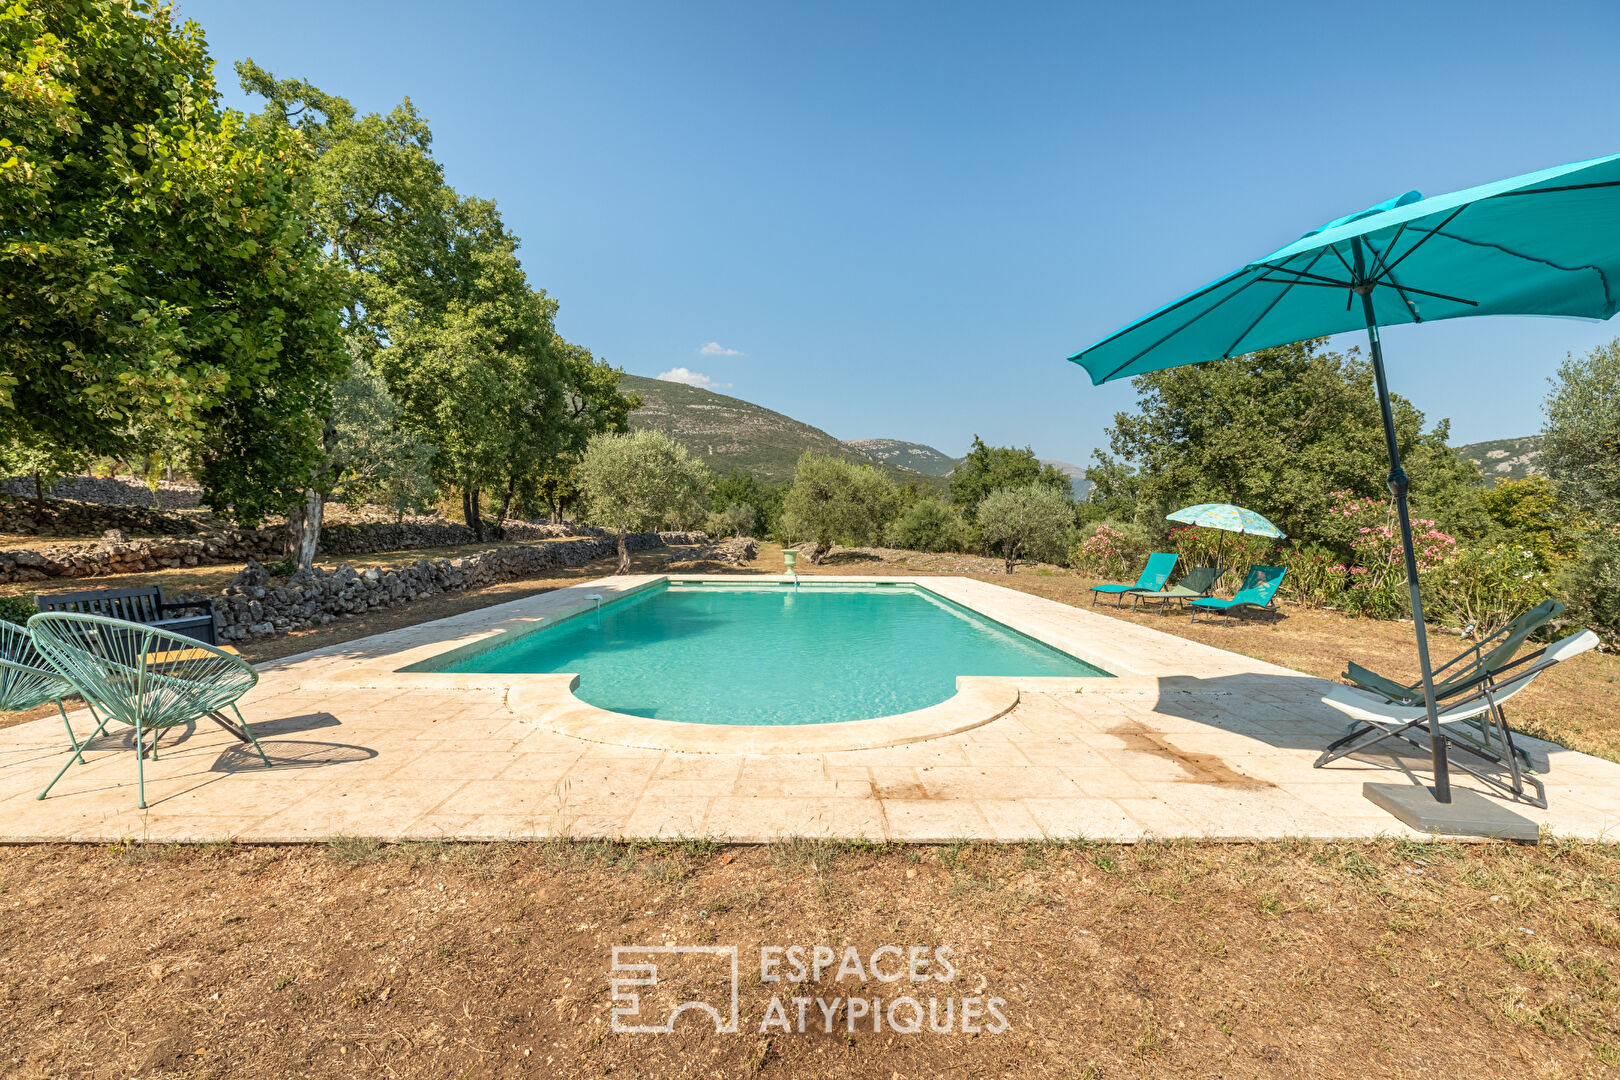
[550,704]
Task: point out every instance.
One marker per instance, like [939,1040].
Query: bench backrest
[130,605]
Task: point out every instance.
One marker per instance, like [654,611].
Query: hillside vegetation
[1505,459]
[729,433]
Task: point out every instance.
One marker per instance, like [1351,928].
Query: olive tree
[835,500]
[640,480]
[1025,521]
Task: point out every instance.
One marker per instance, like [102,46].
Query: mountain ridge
[1505,459]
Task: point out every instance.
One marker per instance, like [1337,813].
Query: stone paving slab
[1188,741]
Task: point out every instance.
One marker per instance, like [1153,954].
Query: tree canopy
[1581,448]
[1025,522]
[1279,431]
[164,286]
[993,468]
[834,500]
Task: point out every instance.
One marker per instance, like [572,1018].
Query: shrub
[1026,522]
[1486,586]
[1110,548]
[928,525]
[736,519]
[1315,577]
[16,609]
[1592,584]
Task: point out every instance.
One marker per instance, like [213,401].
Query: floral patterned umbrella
[1228,517]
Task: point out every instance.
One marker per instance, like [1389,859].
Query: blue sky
[897,219]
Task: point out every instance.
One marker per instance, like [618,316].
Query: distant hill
[1076,474]
[906,455]
[730,433]
[1505,459]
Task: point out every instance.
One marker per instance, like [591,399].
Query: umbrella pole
[1398,485]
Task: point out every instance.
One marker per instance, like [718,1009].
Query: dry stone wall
[111,491]
[203,541]
[258,605]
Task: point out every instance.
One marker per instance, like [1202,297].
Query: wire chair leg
[140,764]
[100,727]
[249,733]
[78,751]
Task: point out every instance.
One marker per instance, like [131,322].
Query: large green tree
[439,305]
[996,468]
[1278,431]
[592,404]
[158,277]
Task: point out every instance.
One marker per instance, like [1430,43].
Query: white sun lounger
[1472,721]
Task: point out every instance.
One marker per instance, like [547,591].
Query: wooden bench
[138,606]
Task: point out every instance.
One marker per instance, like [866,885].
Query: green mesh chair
[147,678]
[27,679]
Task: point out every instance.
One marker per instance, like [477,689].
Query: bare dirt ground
[1159,960]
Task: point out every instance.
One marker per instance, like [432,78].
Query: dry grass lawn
[1157,960]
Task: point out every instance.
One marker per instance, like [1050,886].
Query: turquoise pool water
[772,655]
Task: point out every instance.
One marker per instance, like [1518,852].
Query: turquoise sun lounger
[1258,589]
[1154,577]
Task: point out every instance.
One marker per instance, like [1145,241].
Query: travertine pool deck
[1187,741]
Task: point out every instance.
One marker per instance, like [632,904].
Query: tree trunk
[624,553]
[556,509]
[304,529]
[1010,552]
[39,489]
[477,521]
[506,500]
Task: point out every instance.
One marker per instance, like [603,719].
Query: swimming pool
[772,654]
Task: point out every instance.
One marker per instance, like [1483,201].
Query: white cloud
[690,378]
[714,348]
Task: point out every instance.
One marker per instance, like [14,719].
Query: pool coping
[548,702]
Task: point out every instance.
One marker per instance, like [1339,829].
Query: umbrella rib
[1387,273]
[1178,329]
[1185,300]
[1277,300]
[1390,269]
[1337,254]
[1300,273]
[1403,289]
[1565,187]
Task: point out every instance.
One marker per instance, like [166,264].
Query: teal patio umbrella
[1227,518]
[1546,243]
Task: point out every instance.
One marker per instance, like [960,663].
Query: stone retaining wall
[224,544]
[258,605]
[114,556]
